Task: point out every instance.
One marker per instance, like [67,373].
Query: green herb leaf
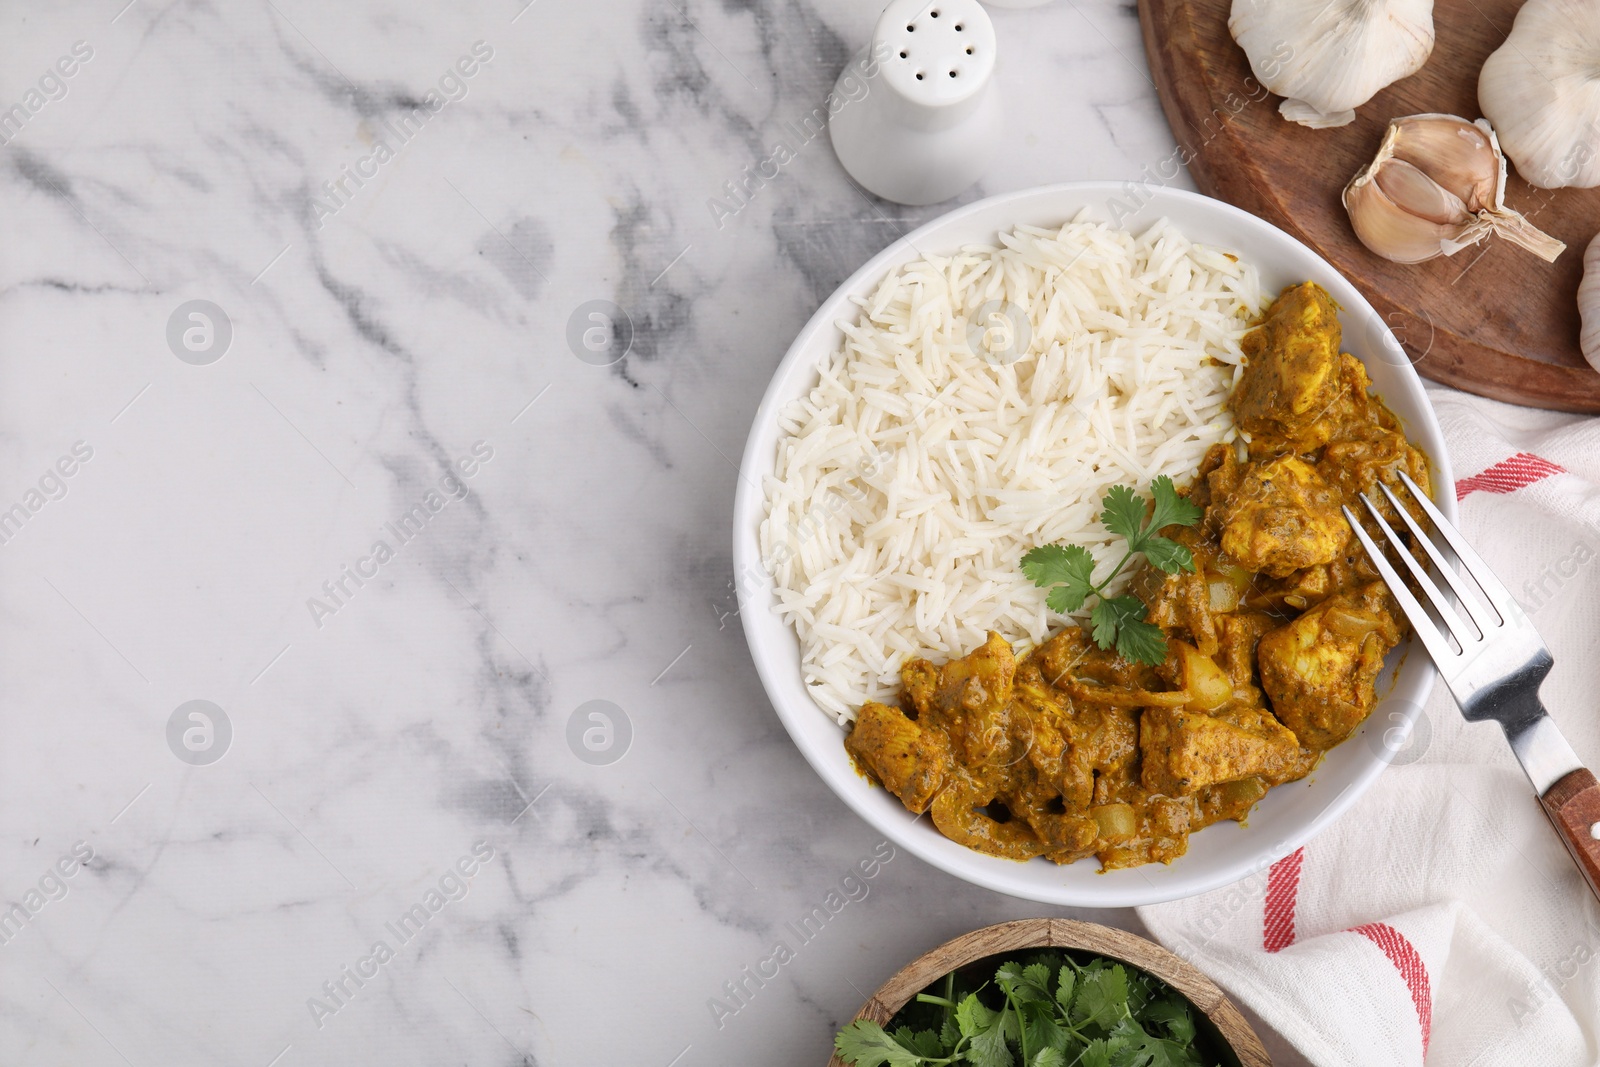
[973,1017]
[1107,618]
[1102,997]
[1141,642]
[1174,1016]
[1067,571]
[1063,601]
[1168,556]
[1024,983]
[1068,568]
[1064,989]
[1170,508]
[865,1044]
[949,1033]
[924,1043]
[989,1048]
[1124,512]
[1051,1012]
[1043,1028]
[1096,1054]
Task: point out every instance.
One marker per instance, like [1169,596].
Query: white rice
[913,477]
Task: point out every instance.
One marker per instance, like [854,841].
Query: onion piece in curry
[1274,642]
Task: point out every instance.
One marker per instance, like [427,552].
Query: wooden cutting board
[1493,319]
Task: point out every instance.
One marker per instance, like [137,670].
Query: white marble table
[390,249]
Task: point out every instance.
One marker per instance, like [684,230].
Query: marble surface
[197,503]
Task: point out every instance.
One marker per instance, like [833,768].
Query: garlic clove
[1394,231]
[1589,304]
[1462,156]
[1414,192]
[1328,57]
[1541,90]
[1442,184]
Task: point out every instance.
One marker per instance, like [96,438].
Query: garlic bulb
[1328,57]
[1589,304]
[1437,186]
[1541,89]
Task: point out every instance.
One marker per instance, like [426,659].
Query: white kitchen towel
[1440,920]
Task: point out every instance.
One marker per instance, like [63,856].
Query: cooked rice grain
[912,478]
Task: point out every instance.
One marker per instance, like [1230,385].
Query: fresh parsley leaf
[1170,508]
[1102,996]
[989,1048]
[1168,556]
[973,1017]
[1065,1014]
[1174,1016]
[924,1043]
[1069,569]
[865,1044]
[1096,1054]
[1124,512]
[1120,622]
[949,1032]
[1109,615]
[1043,1028]
[1063,601]
[1024,983]
[1064,990]
[1141,642]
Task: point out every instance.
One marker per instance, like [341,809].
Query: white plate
[1290,815]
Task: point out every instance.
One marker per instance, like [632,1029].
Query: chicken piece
[1185,750]
[910,762]
[959,814]
[1318,671]
[1236,653]
[919,681]
[1292,370]
[1180,602]
[1283,517]
[973,702]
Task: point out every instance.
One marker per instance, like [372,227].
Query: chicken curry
[1274,642]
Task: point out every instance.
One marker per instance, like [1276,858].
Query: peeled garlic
[1328,57]
[1437,186]
[1541,89]
[1589,304]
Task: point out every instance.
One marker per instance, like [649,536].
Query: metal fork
[1494,668]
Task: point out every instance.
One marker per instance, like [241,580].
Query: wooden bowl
[1232,1032]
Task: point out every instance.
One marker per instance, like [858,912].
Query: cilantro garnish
[1053,1012]
[1068,570]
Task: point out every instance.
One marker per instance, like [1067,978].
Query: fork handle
[1573,805]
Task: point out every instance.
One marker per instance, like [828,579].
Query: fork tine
[1432,639]
[1469,604]
[1458,629]
[1497,594]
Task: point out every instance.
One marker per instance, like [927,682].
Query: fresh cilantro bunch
[1068,570]
[1051,1012]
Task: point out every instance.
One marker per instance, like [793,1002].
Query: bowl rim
[749,500]
[1020,935]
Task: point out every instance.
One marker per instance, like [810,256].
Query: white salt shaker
[929,122]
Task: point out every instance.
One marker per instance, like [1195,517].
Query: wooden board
[1494,319]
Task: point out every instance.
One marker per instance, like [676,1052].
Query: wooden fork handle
[1573,805]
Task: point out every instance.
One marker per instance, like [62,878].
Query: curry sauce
[1274,642]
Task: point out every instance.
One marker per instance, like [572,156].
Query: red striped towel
[1440,920]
